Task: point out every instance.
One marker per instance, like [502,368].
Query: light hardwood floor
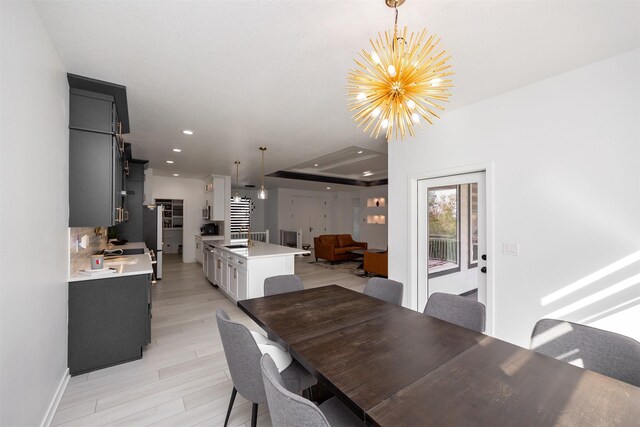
[182,379]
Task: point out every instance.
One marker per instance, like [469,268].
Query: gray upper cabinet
[97,181]
[91,111]
[131,230]
[92,199]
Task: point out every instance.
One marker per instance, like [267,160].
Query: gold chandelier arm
[400,82]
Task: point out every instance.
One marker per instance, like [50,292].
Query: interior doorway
[452,236]
[309,214]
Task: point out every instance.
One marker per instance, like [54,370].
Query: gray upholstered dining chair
[282,284]
[243,358]
[384,289]
[288,409]
[605,352]
[459,310]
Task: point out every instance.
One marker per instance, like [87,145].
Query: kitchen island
[239,270]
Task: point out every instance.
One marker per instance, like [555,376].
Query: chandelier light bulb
[391,70]
[361,96]
[415,117]
[375,113]
[375,58]
[237,198]
[435,82]
[410,104]
[385,123]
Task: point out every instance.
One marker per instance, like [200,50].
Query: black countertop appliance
[209,229]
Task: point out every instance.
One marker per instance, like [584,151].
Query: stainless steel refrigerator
[152,216]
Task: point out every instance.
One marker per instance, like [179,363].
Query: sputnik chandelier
[401,81]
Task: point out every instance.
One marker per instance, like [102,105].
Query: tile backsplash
[97,241]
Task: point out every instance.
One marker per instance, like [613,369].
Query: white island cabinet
[240,272]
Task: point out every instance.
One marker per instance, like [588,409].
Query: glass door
[452,237]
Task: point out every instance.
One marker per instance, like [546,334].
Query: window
[241,215]
[473,225]
[444,230]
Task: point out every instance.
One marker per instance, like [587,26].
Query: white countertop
[263,250]
[129,245]
[125,265]
[208,237]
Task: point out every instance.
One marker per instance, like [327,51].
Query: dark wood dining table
[394,366]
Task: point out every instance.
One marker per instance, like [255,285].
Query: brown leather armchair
[336,247]
[377,263]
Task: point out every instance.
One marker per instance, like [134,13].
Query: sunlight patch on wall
[595,297]
[591,278]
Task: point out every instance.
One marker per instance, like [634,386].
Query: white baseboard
[53,407]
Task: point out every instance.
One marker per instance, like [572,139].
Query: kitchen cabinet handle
[235,273]
[240,262]
[120,139]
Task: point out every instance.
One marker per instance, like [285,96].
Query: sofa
[336,247]
[376,263]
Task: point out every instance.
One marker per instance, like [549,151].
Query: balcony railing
[443,248]
[256,236]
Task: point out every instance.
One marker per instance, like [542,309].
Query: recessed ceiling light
[187,132]
[360,152]
[316,165]
[177,150]
[170,161]
[176,174]
[328,188]
[367,173]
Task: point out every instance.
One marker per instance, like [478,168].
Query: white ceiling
[243,74]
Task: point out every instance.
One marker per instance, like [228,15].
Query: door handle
[484,257]
[483,269]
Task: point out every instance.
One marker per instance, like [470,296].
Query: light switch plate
[84,241]
[511,248]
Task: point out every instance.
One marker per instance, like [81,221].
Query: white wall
[564,182]
[34,255]
[271,216]
[277,212]
[258,215]
[340,212]
[374,234]
[285,195]
[192,193]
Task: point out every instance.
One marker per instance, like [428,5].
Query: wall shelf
[376,202]
[376,219]
[173,209]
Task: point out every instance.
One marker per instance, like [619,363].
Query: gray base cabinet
[109,321]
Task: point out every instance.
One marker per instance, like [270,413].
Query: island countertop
[259,250]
